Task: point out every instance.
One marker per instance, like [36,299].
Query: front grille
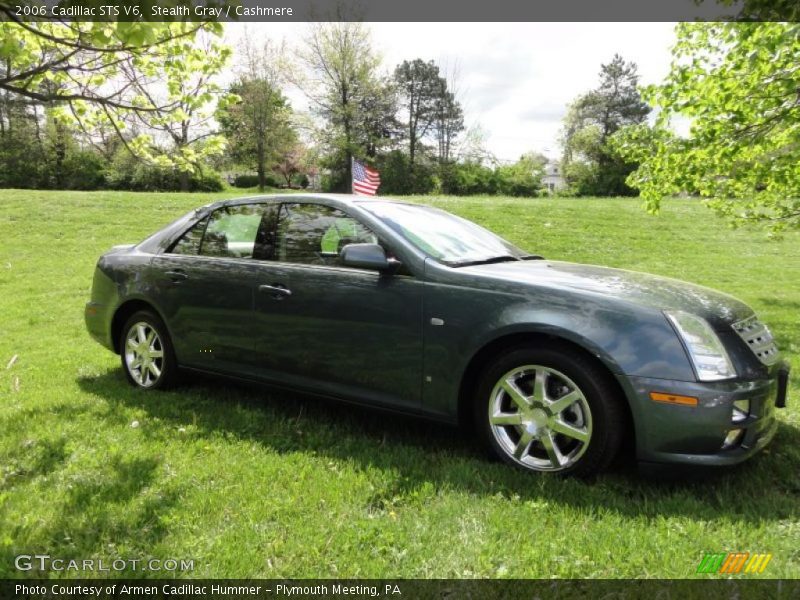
[759,339]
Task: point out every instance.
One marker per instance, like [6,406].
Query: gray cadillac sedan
[412,309]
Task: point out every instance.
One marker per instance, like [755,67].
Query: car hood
[653,291]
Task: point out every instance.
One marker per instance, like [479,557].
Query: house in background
[553,180]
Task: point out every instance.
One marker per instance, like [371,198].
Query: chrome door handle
[278,291]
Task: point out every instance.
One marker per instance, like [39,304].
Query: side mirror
[367,256]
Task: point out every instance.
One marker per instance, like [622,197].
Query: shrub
[249,181]
[207,181]
[82,170]
[245,181]
[467,179]
[520,179]
[301,180]
[21,162]
[397,176]
[128,173]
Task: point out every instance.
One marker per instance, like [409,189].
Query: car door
[344,331]
[206,286]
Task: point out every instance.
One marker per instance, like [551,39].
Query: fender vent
[759,339]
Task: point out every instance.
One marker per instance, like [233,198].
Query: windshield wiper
[487,261]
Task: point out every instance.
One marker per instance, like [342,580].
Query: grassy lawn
[253,483]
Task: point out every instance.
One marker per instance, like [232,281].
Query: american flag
[365,179]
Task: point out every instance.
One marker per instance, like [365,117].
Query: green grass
[253,483]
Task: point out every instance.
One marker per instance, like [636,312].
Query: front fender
[629,340]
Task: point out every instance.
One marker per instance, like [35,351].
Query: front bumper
[669,433]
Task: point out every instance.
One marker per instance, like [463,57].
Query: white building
[553,180]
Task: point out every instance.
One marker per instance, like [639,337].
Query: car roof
[344,199]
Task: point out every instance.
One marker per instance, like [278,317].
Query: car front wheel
[550,410]
[146,352]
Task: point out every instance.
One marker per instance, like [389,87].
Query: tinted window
[315,234]
[189,242]
[232,231]
[265,238]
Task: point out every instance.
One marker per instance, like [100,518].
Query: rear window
[241,231]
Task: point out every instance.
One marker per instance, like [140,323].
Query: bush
[207,181]
[519,179]
[24,163]
[335,177]
[82,170]
[398,178]
[245,181]
[523,178]
[21,162]
[249,181]
[128,173]
[467,179]
[301,180]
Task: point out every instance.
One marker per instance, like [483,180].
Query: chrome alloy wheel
[540,418]
[144,354]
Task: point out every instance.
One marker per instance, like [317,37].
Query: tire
[550,410]
[144,341]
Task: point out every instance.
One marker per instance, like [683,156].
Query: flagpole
[352,164]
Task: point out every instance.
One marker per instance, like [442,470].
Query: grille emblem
[759,339]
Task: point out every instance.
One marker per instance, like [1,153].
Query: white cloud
[515,78]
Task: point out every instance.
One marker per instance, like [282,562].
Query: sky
[515,79]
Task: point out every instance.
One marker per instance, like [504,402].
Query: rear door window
[231,231]
[189,242]
[241,231]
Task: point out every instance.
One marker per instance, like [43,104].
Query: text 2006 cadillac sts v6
[413,309]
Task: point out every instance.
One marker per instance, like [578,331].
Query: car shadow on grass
[89,521]
[419,453]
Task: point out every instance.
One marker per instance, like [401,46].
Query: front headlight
[708,355]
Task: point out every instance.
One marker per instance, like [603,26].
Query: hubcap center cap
[538,418]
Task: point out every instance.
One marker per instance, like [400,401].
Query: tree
[420,88]
[88,72]
[259,126]
[342,76]
[448,123]
[39,151]
[739,83]
[21,143]
[182,96]
[473,148]
[449,116]
[590,163]
[377,125]
[291,162]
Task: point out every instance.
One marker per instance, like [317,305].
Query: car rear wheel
[550,410]
[146,352]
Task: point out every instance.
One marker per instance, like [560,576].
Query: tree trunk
[261,167]
[184,141]
[348,185]
[184,180]
[349,172]
[412,138]
[60,149]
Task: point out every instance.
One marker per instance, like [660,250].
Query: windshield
[445,237]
